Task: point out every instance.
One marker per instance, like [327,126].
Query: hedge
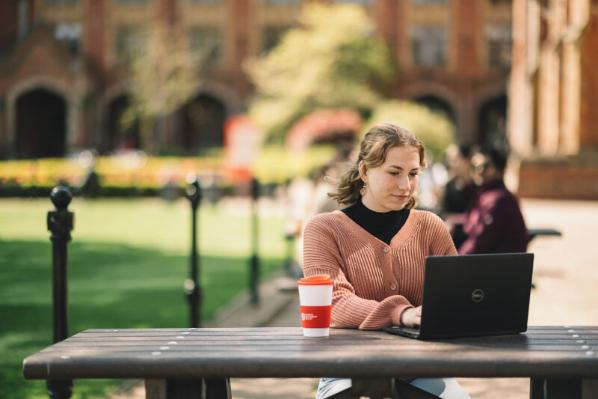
[139,175]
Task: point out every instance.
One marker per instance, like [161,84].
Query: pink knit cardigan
[373,282]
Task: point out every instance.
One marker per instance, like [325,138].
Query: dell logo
[477,295]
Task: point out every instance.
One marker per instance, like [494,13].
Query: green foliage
[163,77]
[332,60]
[434,129]
[289,164]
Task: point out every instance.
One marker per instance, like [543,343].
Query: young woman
[374,249]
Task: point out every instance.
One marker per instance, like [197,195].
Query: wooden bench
[533,233]
[562,362]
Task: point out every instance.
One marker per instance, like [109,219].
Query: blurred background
[171,78]
[123,100]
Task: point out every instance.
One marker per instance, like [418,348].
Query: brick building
[553,111]
[63,73]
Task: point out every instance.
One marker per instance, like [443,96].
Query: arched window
[119,134]
[203,124]
[437,104]
[492,120]
[40,125]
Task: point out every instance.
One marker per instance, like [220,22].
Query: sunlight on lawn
[127,263]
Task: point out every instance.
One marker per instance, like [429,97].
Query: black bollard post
[60,223]
[192,284]
[290,252]
[254,262]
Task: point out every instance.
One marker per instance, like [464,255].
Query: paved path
[566,278]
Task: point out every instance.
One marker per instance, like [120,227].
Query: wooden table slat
[284,352]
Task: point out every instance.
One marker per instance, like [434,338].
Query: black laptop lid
[474,295]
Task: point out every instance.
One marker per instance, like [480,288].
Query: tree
[164,74]
[434,129]
[332,60]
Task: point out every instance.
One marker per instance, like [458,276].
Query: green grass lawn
[127,263]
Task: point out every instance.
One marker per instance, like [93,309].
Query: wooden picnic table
[561,361]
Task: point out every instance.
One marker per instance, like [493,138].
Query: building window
[364,2]
[133,2]
[280,2]
[498,38]
[423,2]
[205,43]
[57,2]
[271,36]
[428,45]
[210,2]
[23,18]
[129,42]
[69,34]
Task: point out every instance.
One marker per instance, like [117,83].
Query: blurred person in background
[309,197]
[460,188]
[374,248]
[327,177]
[298,202]
[458,191]
[90,185]
[494,222]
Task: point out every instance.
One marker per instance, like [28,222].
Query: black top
[382,225]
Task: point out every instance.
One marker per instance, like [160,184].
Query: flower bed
[136,174]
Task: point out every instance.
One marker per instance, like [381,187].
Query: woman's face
[483,170]
[389,187]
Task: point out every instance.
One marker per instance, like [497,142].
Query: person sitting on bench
[493,223]
[375,248]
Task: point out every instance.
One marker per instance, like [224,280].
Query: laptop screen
[473,295]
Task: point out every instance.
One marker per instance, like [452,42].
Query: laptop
[473,295]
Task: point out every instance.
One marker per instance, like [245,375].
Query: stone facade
[451,54]
[553,123]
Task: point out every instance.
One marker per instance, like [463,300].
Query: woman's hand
[412,317]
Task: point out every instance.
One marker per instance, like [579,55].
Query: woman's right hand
[412,317]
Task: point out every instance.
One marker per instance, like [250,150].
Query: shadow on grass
[109,286]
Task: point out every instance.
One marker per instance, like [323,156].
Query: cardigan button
[393,287]
[386,250]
